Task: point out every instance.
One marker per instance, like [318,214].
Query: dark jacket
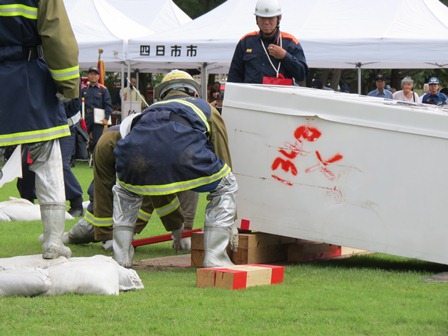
[250,62]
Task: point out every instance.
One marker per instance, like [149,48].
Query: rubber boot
[53,219]
[81,233]
[216,241]
[122,245]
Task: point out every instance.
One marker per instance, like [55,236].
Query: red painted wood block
[239,277]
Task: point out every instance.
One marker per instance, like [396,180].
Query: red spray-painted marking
[282,180]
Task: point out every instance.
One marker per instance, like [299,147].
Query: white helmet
[268,8]
[176,80]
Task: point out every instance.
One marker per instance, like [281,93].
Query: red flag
[101,67]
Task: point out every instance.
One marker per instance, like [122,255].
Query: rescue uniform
[250,62]
[100,210]
[177,144]
[29,113]
[96,96]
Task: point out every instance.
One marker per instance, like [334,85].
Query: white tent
[97,24]
[156,15]
[333,33]
[109,24]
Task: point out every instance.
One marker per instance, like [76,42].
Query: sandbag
[29,261]
[84,276]
[19,209]
[24,282]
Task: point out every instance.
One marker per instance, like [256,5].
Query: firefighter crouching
[29,112]
[176,144]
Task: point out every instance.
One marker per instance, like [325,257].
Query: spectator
[425,91]
[434,97]
[96,96]
[28,31]
[134,97]
[214,97]
[380,90]
[406,94]
[189,151]
[268,52]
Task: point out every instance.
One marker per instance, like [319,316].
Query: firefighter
[31,87]
[97,223]
[268,52]
[176,144]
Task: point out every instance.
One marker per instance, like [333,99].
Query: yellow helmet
[177,80]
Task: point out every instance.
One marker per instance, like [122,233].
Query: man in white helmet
[268,52]
[176,144]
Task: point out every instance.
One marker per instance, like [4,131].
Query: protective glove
[234,238]
[62,99]
[177,236]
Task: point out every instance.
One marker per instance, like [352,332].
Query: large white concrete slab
[339,168]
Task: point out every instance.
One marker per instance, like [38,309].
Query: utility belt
[74,120]
[179,119]
[17,53]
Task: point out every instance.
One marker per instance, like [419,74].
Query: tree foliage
[195,8]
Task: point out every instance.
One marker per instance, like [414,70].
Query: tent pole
[358,65]
[204,81]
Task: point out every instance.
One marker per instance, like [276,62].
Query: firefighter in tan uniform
[38,66]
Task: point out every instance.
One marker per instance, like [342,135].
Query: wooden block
[348,251]
[304,251]
[253,248]
[239,277]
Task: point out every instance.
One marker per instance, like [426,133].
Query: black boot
[76,209]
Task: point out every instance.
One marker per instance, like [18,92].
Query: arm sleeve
[60,46]
[218,137]
[107,103]
[295,62]
[236,71]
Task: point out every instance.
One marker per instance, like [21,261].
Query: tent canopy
[333,33]
[109,24]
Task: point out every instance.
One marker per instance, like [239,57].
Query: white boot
[81,233]
[122,245]
[215,247]
[53,219]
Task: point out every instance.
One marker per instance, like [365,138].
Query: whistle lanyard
[277,70]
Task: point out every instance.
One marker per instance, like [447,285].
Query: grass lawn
[373,294]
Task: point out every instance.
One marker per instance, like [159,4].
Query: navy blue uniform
[439,99]
[28,106]
[168,150]
[96,96]
[250,62]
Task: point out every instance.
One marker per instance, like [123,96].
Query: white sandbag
[19,209]
[129,279]
[29,261]
[93,275]
[24,282]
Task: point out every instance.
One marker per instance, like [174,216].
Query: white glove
[177,236]
[234,238]
[61,98]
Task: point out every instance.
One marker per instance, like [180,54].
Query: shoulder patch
[102,86]
[289,36]
[255,33]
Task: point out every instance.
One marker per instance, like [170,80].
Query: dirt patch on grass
[163,263]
